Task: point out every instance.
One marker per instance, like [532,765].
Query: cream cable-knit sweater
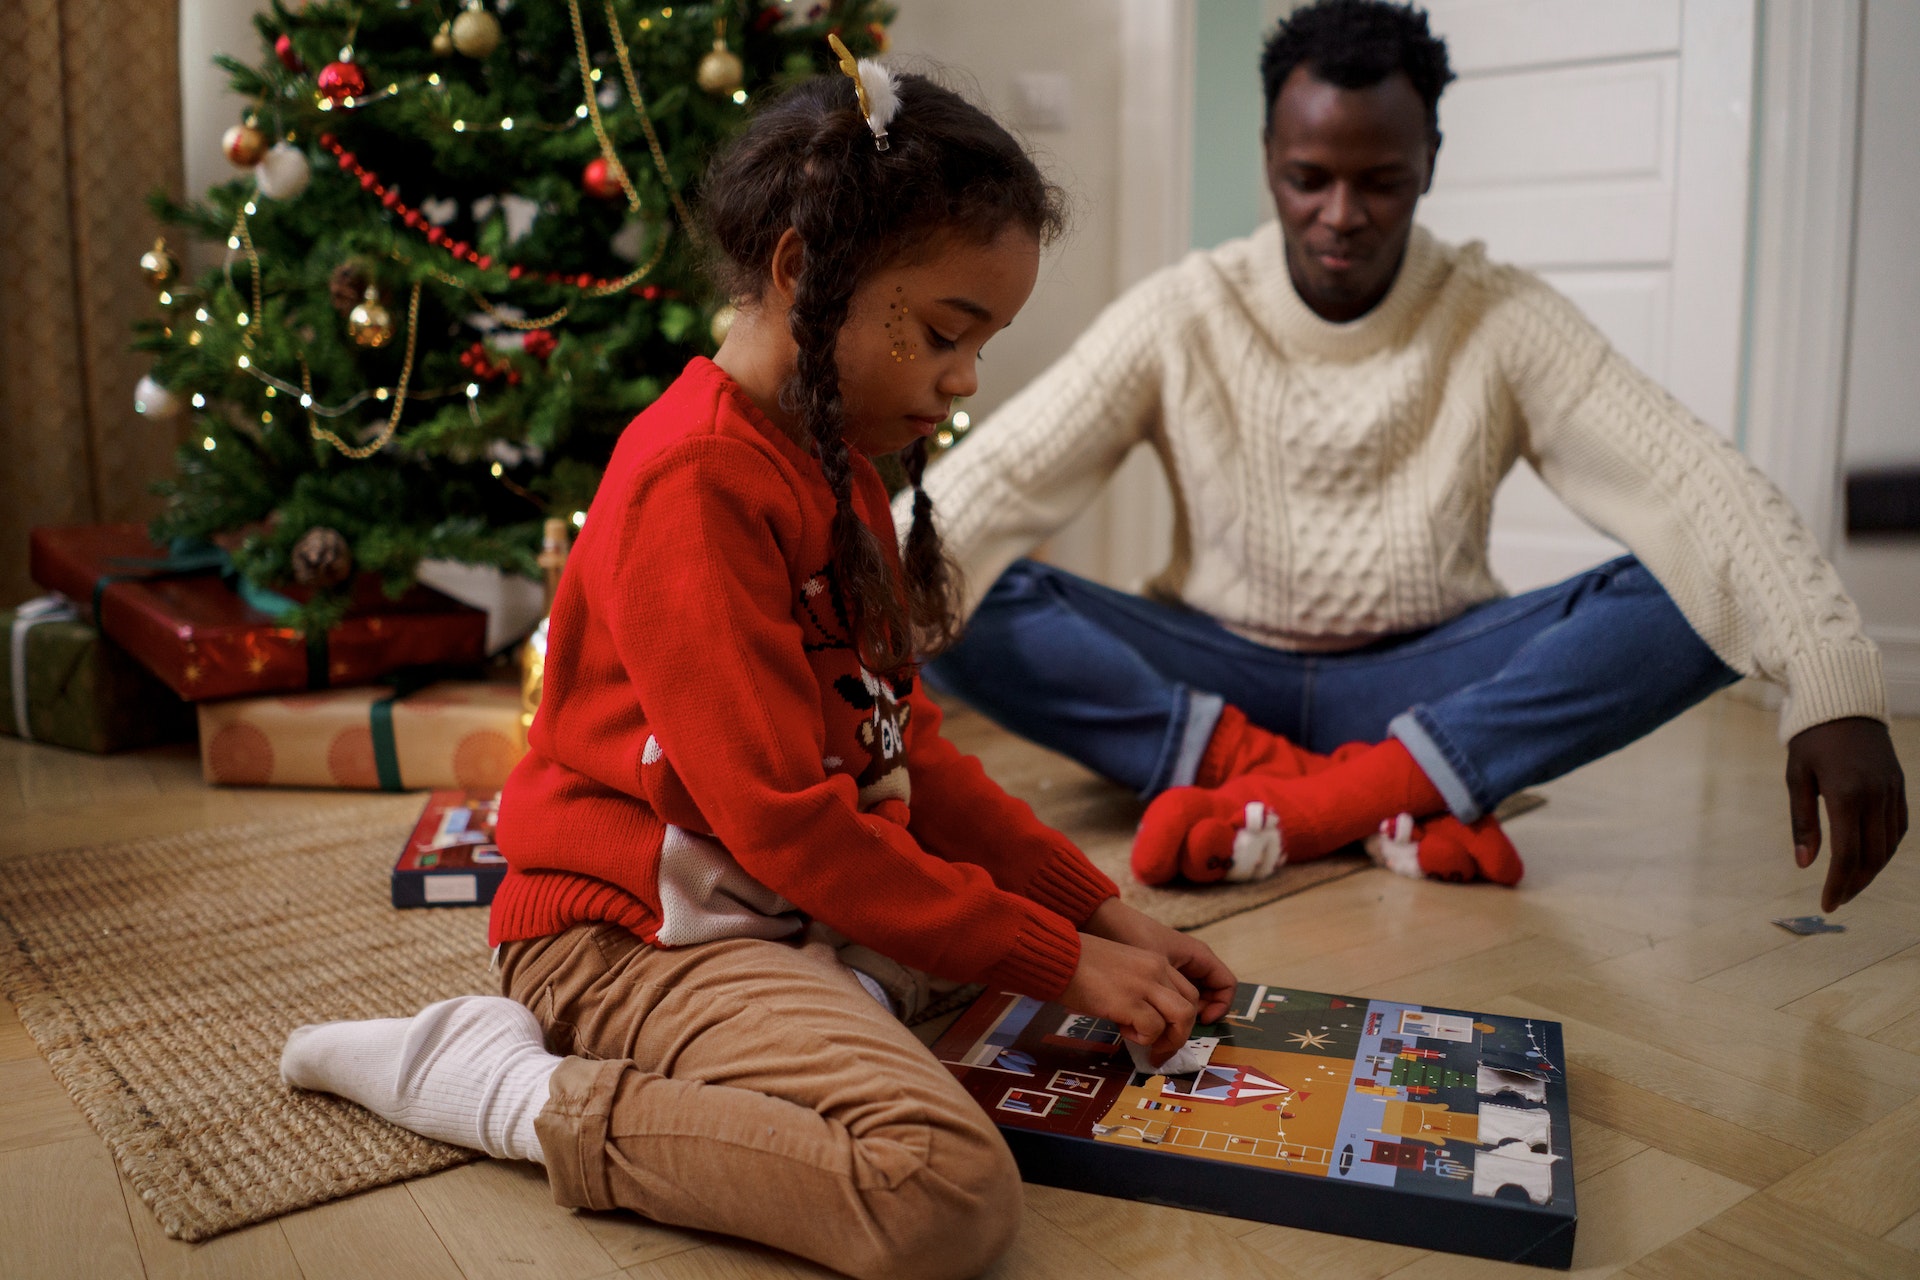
[1333,483]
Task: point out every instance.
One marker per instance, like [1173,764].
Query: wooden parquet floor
[1746,1103]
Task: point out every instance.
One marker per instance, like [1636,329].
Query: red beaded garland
[412,217]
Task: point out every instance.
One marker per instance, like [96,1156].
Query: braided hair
[807,161]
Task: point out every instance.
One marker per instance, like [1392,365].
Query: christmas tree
[459,258]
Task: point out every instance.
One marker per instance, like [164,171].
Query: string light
[459,126]
[241,319]
[962,420]
[193,339]
[250,208]
[506,124]
[166,299]
[199,401]
[233,242]
[594,75]
[497,470]
[579,519]
[266,419]
[739,96]
[243,362]
[272,392]
[306,401]
[473,391]
[434,79]
[207,444]
[201,315]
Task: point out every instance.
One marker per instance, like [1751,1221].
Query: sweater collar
[1302,331]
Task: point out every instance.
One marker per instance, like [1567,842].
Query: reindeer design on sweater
[883,733]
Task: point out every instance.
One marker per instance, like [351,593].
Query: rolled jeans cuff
[1452,774]
[572,1129]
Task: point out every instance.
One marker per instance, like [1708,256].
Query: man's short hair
[1355,44]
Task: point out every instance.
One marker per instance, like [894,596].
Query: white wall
[1881,422]
[209,27]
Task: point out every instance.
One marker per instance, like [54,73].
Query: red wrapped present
[190,628]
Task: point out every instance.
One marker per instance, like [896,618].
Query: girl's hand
[1194,959]
[1138,990]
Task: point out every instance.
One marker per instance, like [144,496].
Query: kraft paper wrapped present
[457,733]
[68,685]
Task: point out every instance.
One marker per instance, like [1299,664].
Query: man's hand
[1851,764]
[1194,959]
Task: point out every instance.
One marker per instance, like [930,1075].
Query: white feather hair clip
[873,87]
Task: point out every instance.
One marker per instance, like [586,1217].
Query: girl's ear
[783,273]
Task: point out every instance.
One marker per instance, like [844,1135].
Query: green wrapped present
[69,685]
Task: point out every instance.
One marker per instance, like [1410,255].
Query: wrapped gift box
[195,632]
[70,686]
[1435,1128]
[458,733]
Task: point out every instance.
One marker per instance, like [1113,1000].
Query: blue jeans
[1511,693]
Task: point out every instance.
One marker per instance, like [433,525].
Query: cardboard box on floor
[1435,1128]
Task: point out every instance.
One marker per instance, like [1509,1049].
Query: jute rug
[160,978]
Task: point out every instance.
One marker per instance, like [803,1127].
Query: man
[1335,401]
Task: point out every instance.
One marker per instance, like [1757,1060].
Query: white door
[1604,144]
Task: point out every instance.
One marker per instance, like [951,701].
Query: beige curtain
[89,124]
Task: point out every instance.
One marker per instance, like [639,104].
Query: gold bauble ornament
[369,324]
[244,144]
[158,264]
[443,41]
[722,322]
[476,33]
[721,71]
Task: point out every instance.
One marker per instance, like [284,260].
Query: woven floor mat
[160,978]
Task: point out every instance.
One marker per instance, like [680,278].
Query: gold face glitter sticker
[896,324]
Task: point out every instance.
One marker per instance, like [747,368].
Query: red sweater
[710,758]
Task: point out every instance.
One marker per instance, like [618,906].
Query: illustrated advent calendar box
[451,859]
[1435,1128]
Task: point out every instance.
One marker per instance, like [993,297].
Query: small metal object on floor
[1809,924]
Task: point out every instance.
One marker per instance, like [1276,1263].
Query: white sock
[471,1071]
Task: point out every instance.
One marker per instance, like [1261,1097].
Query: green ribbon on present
[189,556]
[386,751]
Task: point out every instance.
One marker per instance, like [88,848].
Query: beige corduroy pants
[754,1088]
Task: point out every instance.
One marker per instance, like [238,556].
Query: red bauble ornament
[597,179]
[538,343]
[283,50]
[340,80]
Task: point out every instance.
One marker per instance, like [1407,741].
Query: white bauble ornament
[283,173]
[154,400]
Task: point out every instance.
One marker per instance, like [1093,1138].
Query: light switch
[1042,100]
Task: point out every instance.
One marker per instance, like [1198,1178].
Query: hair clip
[873,87]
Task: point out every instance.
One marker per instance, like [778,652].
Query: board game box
[451,859]
[1436,1128]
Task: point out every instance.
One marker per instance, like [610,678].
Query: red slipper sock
[1240,746]
[1249,826]
[1445,848]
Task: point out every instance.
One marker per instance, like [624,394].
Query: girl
[738,839]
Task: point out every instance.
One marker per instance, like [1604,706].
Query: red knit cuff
[1041,960]
[1070,885]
